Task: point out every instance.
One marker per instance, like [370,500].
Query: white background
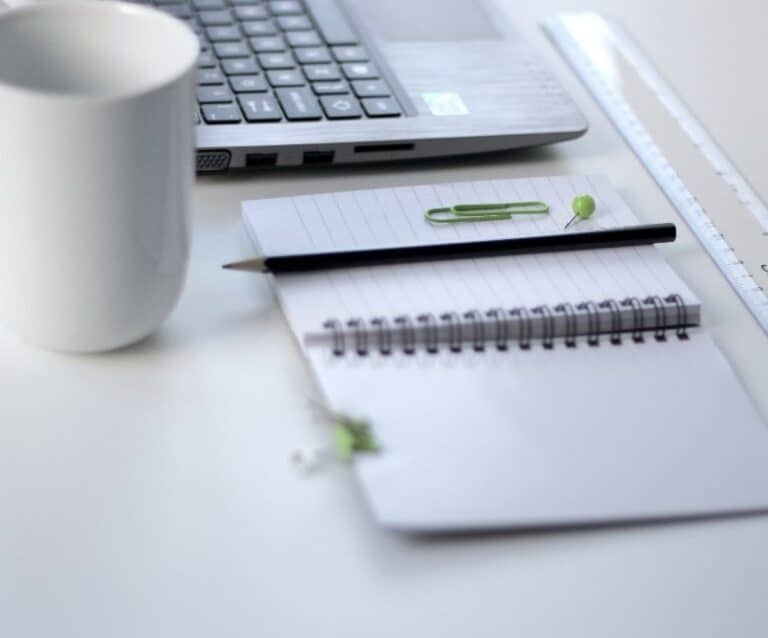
[148,492]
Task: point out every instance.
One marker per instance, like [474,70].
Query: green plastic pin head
[583,207]
[352,436]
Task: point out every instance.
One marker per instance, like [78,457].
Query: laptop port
[383,148]
[313,158]
[255,160]
[213,161]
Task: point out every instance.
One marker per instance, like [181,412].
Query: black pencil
[613,238]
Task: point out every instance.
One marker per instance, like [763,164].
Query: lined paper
[516,438]
[381,217]
[543,438]
[388,217]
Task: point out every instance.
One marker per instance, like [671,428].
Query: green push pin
[351,436]
[583,207]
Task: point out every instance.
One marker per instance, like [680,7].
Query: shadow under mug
[96,171]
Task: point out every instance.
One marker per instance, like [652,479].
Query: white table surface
[148,492]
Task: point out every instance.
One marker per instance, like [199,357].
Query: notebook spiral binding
[501,327]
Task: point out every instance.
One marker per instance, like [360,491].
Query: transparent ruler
[707,190]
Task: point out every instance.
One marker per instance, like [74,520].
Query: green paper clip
[484,212]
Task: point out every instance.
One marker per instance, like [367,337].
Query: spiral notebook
[523,391]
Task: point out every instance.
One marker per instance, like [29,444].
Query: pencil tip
[249,265]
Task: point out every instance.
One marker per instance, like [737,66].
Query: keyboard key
[260,108]
[276,61]
[350,54]
[303,38]
[268,44]
[231,49]
[331,22]
[240,66]
[248,83]
[259,27]
[320,72]
[255,12]
[371,88]
[294,23]
[291,77]
[206,60]
[210,76]
[299,104]
[285,7]
[202,5]
[193,24]
[215,18]
[341,107]
[330,88]
[221,114]
[165,6]
[227,33]
[312,55]
[181,11]
[360,71]
[381,107]
[214,95]
[244,2]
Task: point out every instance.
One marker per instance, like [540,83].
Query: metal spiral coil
[566,309]
[681,320]
[407,333]
[478,329]
[593,321]
[454,330]
[384,334]
[339,341]
[548,326]
[613,307]
[360,336]
[431,334]
[501,327]
[638,323]
[660,313]
[524,327]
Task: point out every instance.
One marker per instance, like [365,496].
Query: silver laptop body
[460,81]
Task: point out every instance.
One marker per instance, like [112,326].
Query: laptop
[311,82]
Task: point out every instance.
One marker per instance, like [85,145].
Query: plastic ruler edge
[636,135]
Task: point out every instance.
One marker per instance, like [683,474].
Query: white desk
[147,493]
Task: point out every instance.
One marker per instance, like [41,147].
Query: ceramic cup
[96,171]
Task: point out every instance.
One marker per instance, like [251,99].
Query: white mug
[96,171]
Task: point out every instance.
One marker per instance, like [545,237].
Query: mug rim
[115,7]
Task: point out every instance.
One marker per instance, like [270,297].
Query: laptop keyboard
[272,61]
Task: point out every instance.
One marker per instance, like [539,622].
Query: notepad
[522,391]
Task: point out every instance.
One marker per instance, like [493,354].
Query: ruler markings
[639,139]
